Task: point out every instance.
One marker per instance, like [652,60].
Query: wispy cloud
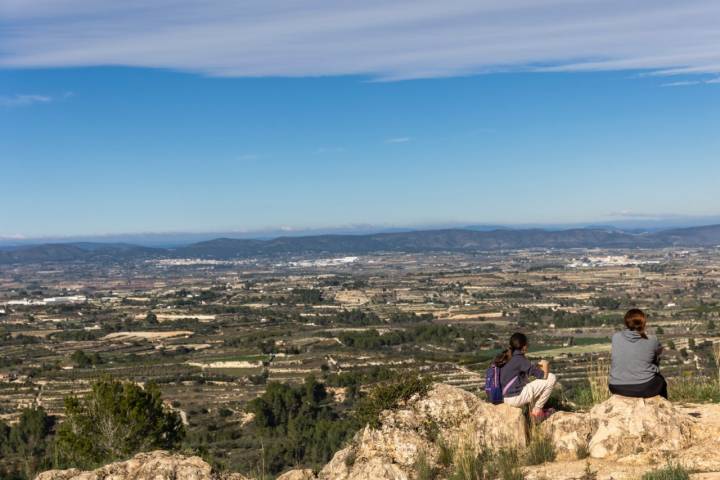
[632,215]
[682,83]
[687,83]
[396,40]
[398,140]
[23,100]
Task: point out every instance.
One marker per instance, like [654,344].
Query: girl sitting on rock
[514,372]
[635,366]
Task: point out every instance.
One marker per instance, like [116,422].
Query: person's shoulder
[518,358]
[653,339]
[617,335]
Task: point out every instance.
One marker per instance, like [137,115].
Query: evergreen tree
[115,420]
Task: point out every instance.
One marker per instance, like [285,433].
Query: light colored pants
[535,393]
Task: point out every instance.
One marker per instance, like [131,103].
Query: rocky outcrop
[446,415]
[630,430]
[622,438]
[158,465]
[628,427]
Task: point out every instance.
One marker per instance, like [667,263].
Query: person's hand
[545,366]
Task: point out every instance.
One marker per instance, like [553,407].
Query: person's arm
[534,370]
[658,351]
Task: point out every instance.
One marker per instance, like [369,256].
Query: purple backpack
[495,393]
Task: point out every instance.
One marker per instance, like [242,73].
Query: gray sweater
[634,359]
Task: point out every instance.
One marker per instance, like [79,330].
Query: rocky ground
[621,437]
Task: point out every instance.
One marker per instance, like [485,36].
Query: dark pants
[656,386]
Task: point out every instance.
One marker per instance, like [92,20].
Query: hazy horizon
[182,237]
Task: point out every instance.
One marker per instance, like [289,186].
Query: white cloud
[686,83]
[398,140]
[23,100]
[682,83]
[384,39]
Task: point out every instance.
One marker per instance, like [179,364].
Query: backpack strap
[509,384]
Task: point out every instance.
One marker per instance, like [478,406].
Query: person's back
[634,358]
[635,367]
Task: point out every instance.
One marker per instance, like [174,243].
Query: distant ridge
[451,240]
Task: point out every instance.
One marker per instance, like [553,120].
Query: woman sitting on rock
[635,369]
[514,372]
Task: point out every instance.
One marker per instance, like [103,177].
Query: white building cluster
[66,300]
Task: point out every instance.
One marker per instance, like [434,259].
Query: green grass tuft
[686,388]
[425,471]
[446,453]
[487,464]
[670,472]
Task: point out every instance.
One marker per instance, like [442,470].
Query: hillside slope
[624,438]
[451,240]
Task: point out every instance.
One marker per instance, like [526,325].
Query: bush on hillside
[388,396]
[115,420]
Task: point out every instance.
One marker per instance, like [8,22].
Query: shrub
[115,420]
[25,446]
[298,425]
[670,472]
[388,396]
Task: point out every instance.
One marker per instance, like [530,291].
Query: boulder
[570,433]
[158,465]
[637,429]
[630,430]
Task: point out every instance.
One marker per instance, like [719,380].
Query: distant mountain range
[412,241]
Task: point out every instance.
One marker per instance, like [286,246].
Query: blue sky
[110,137]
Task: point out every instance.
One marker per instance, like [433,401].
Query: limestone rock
[158,465]
[446,414]
[305,474]
[570,433]
[637,429]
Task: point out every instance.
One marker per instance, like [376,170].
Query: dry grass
[473,462]
[598,373]
[540,448]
